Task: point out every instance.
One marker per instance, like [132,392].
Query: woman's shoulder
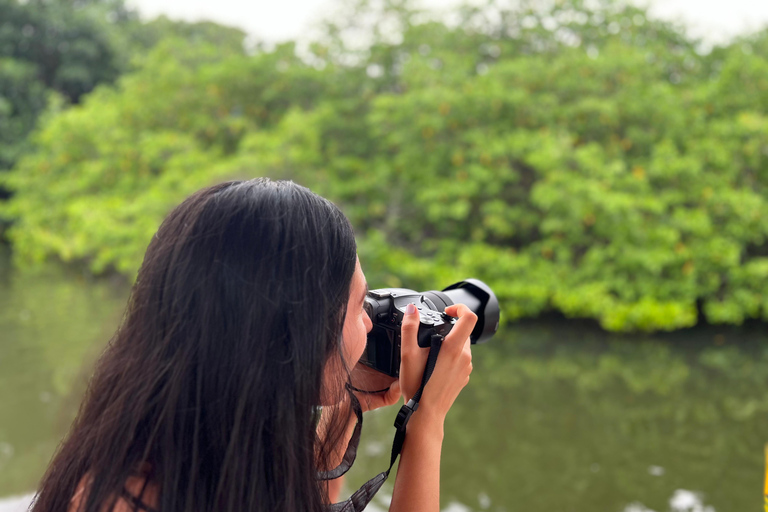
[137,495]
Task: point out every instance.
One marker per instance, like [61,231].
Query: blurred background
[603,165]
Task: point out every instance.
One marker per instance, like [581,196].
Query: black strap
[136,502]
[367,392]
[351,451]
[363,496]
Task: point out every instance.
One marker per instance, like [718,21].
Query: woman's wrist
[426,421]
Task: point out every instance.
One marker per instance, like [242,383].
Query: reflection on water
[51,329]
[558,415]
[15,503]
[681,501]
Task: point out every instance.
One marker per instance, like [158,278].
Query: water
[558,415]
[52,326]
[567,418]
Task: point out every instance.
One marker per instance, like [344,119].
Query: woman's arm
[417,485]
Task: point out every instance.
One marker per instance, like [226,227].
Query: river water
[558,416]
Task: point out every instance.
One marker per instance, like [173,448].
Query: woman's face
[357,323]
[354,334]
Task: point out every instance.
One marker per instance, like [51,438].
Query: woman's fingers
[413,358]
[454,364]
[372,401]
[393,394]
[463,326]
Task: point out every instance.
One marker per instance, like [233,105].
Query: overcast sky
[277,20]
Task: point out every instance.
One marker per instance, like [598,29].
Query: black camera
[386,307]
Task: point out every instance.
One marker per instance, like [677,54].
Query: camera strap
[363,496]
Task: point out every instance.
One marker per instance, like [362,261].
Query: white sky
[278,20]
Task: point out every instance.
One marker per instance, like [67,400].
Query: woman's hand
[366,378]
[454,362]
[417,487]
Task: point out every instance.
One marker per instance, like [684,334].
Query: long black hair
[211,380]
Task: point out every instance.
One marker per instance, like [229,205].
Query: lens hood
[480,299]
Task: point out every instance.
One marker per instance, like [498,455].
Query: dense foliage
[65,48]
[43,47]
[589,160]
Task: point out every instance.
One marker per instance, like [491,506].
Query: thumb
[370,402]
[393,393]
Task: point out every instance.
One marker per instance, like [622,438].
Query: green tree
[138,148]
[22,100]
[580,158]
[48,46]
[68,47]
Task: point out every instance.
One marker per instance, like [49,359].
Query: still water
[558,416]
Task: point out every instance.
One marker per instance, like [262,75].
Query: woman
[246,315]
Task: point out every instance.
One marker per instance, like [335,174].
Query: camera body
[386,308]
